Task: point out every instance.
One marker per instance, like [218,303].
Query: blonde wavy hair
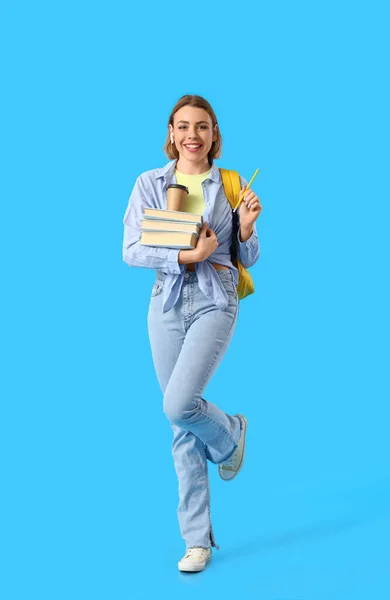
[198,102]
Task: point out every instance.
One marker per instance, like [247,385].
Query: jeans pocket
[157,288]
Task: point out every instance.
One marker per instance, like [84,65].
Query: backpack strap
[232,186]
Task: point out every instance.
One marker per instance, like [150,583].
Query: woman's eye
[201,126]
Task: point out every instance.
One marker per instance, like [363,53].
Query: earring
[172,140]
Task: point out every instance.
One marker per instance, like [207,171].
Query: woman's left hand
[249,208]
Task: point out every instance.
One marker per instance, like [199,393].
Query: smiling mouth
[192,147]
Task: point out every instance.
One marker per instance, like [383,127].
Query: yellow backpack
[232,186]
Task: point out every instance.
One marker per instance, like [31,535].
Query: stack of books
[170,228]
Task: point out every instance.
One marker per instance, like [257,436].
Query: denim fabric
[188,343]
[150,191]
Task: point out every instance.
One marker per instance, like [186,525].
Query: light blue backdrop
[89,488]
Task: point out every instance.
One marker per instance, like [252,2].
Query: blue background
[89,490]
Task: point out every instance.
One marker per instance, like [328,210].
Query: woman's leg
[193,511]
[168,334]
[208,334]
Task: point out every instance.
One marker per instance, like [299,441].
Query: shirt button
[187,275]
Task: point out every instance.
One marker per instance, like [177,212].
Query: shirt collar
[168,171]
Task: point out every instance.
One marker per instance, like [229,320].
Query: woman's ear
[171,133]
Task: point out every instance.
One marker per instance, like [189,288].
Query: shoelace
[232,461]
[198,553]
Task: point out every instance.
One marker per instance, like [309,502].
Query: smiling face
[194,134]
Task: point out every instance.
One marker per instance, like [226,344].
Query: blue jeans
[188,343]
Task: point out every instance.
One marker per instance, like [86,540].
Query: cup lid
[177,185]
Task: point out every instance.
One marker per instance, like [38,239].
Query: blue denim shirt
[150,191]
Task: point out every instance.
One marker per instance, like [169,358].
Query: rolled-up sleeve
[135,254]
[248,252]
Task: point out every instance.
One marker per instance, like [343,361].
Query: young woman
[193,312]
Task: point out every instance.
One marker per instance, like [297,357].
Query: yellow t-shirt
[194,201]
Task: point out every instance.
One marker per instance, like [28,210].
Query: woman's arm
[248,251]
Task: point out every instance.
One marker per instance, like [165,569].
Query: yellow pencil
[246,189]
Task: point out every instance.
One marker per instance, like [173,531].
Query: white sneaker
[231,467]
[195,559]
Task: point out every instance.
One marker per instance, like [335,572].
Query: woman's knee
[178,408]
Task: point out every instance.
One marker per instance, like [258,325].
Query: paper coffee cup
[176,195]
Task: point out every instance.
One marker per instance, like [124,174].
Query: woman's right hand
[207,243]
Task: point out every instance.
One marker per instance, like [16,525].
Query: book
[169,239]
[158,225]
[170,228]
[172,215]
